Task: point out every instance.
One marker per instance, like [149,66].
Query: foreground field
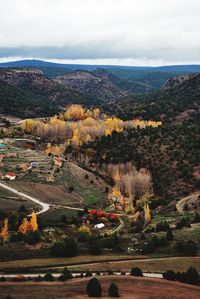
[154,265]
[107,262]
[131,287]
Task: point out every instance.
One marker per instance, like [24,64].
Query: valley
[99,190]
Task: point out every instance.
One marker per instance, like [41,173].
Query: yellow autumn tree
[34,224]
[147,214]
[4,234]
[24,226]
[85,230]
[48,149]
[27,226]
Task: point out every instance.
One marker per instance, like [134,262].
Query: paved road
[77,274]
[45,206]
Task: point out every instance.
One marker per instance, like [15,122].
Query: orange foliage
[28,226]
[147,214]
[4,234]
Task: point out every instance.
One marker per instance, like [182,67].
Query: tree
[147,214]
[94,288]
[136,272]
[4,234]
[48,277]
[170,235]
[22,209]
[32,237]
[33,221]
[113,290]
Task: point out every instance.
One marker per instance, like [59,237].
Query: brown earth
[48,193]
[129,287]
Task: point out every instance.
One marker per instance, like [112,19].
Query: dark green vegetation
[176,103]
[171,152]
[23,103]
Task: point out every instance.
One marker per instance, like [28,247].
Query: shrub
[197,218]
[182,223]
[159,241]
[16,237]
[136,272]
[67,273]
[88,274]
[95,246]
[162,226]
[67,247]
[170,275]
[94,288]
[48,277]
[170,235]
[113,290]
[32,237]
[148,247]
[110,272]
[63,219]
[188,248]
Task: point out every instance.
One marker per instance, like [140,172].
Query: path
[45,206]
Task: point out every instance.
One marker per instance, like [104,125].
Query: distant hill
[40,63]
[99,84]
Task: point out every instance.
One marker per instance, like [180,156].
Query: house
[11,155]
[34,164]
[99,226]
[1,157]
[58,162]
[10,176]
[2,146]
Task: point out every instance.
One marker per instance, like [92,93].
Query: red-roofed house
[1,157]
[10,176]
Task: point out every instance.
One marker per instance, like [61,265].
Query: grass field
[90,189]
[59,261]
[10,202]
[147,265]
[129,287]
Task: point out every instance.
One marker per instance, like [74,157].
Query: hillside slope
[179,101]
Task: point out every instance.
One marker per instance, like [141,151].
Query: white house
[99,226]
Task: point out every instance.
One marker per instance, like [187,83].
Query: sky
[119,32]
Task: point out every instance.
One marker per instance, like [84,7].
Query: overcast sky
[126,32]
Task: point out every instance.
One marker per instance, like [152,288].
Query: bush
[66,274]
[110,272]
[38,278]
[162,226]
[95,246]
[188,248]
[88,274]
[113,290]
[170,235]
[182,223]
[94,288]
[197,218]
[148,247]
[16,237]
[48,277]
[191,276]
[66,247]
[136,272]
[170,275]
[32,237]
[159,241]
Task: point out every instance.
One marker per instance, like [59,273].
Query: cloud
[130,30]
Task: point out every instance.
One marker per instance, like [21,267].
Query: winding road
[45,206]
